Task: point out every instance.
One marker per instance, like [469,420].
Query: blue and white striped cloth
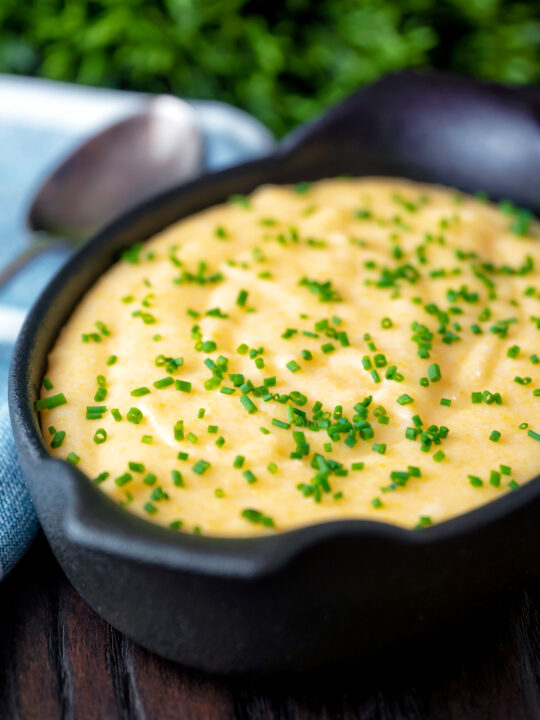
[40,122]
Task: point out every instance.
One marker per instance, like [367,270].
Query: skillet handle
[429,127]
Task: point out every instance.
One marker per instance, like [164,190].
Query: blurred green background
[282,60]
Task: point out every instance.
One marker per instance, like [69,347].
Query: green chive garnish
[134,416]
[201,467]
[293,366]
[238,461]
[242,298]
[51,402]
[248,404]
[73,458]
[164,382]
[100,436]
[177,478]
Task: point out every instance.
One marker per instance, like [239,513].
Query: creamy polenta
[352,348]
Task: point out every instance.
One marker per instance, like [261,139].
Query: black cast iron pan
[328,593]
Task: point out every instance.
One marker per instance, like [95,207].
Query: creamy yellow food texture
[255,273]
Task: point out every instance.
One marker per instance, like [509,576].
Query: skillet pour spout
[324,594]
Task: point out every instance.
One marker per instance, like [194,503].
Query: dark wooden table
[58,659]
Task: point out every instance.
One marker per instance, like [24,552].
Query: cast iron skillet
[332,592]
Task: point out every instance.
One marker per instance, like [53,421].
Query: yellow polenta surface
[360,315]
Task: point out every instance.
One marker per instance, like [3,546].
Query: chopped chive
[405,399]
[201,467]
[164,382]
[136,467]
[513,351]
[250,477]
[297,397]
[242,298]
[248,404]
[241,200]
[147,439]
[117,415]
[100,436]
[446,401]
[134,416]
[439,456]
[257,517]
[111,360]
[534,435]
[101,394]
[475,481]
[375,375]
[293,366]
[376,503]
[51,402]
[177,478]
[495,436]
[95,412]
[238,461]
[47,384]
[434,372]
[139,392]
[159,494]
[183,385]
[58,439]
[123,479]
[281,424]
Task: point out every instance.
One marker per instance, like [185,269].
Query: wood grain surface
[58,659]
